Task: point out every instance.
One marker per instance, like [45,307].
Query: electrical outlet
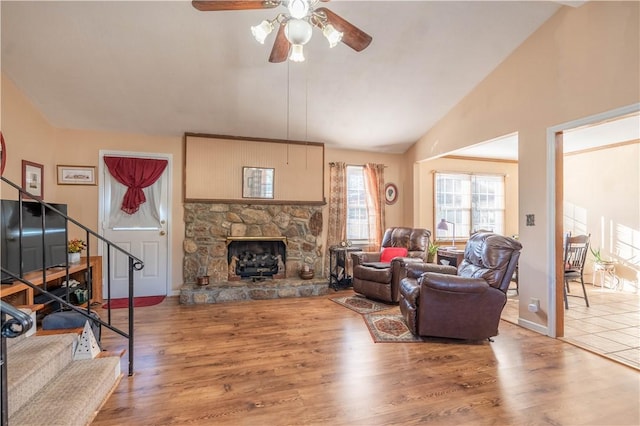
[534,305]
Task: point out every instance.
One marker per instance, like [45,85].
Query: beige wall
[601,193]
[29,136]
[424,200]
[583,61]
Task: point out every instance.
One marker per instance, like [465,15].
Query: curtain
[148,216]
[337,231]
[135,174]
[374,185]
[337,204]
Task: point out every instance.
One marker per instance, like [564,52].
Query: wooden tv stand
[56,276]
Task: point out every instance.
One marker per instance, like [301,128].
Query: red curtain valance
[135,174]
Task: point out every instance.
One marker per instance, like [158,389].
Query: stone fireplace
[256,258]
[210,229]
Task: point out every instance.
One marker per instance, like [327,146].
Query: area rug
[138,302]
[389,327]
[361,304]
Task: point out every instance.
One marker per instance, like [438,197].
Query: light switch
[531,220]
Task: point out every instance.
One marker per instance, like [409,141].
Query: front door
[143,233]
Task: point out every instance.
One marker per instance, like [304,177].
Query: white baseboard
[529,325]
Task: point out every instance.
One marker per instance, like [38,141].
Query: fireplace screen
[256,259]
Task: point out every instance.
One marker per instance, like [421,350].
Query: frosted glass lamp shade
[296,55]
[260,32]
[298,9]
[333,36]
[298,31]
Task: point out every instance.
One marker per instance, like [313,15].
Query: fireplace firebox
[256,257]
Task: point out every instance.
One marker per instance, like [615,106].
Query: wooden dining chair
[575,255]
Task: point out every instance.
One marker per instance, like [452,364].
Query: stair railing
[134,264]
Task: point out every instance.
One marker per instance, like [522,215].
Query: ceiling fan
[294,27]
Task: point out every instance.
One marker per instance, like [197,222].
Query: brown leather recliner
[381,280]
[462,303]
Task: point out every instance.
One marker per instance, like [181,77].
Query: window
[357,215]
[470,201]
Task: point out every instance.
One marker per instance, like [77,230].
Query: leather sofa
[376,277]
[463,302]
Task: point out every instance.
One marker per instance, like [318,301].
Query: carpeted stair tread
[34,361]
[74,396]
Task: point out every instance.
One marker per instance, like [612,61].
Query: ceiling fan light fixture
[297,54]
[298,31]
[298,9]
[332,35]
[261,31]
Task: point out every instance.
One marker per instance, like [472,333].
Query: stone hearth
[230,291]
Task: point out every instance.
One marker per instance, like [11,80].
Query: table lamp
[444,226]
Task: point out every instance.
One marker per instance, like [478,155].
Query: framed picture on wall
[76,175]
[32,179]
[257,182]
[3,154]
[390,193]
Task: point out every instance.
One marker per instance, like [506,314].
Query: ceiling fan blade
[281,46]
[352,36]
[214,5]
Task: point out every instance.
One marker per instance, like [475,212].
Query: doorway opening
[596,194]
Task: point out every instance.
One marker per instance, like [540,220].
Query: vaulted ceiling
[164,68]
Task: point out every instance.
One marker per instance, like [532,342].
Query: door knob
[163,233]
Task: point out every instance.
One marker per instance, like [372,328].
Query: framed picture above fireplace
[257,182]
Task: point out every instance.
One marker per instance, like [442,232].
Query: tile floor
[610,326]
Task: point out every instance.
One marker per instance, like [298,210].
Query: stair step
[34,361]
[74,396]
[33,308]
[55,331]
[117,354]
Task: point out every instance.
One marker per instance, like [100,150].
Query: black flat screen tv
[26,247]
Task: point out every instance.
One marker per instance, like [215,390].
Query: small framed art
[76,175]
[32,179]
[257,182]
[390,193]
[3,154]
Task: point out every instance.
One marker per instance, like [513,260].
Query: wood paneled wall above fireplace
[213,169]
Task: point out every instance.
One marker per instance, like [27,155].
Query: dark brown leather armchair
[462,303]
[381,280]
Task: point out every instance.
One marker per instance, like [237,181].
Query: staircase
[40,382]
[46,386]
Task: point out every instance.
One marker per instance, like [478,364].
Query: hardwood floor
[312,361]
[610,326]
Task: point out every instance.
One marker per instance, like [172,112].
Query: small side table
[339,275]
[607,272]
[450,257]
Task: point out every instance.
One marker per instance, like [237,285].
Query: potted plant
[431,253]
[203,276]
[74,248]
[598,257]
